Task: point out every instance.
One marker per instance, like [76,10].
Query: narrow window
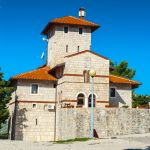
[34,89]
[78,49]
[66,48]
[112,92]
[34,106]
[36,122]
[86,76]
[80,30]
[65,29]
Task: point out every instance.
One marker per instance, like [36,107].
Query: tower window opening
[36,122]
[65,29]
[78,49]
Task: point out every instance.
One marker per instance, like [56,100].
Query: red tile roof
[118,79]
[42,73]
[70,20]
[38,74]
[85,52]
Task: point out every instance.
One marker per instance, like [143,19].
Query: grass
[72,140]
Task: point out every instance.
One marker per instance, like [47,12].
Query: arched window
[90,100]
[80,99]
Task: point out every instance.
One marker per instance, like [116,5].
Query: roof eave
[15,79]
[47,27]
[133,85]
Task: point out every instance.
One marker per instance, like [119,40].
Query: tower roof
[70,20]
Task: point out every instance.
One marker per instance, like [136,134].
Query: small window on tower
[36,121]
[80,30]
[78,49]
[66,48]
[65,29]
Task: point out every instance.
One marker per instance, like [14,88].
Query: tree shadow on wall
[19,125]
[118,100]
[21,122]
[147,148]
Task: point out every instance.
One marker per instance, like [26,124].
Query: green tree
[140,100]
[122,70]
[5,97]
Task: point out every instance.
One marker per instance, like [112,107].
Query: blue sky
[124,32]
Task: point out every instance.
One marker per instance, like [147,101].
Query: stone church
[64,81]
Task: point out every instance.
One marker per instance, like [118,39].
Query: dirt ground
[132,142]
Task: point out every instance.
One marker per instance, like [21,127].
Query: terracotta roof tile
[70,20]
[118,79]
[38,74]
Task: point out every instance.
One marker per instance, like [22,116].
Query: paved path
[133,142]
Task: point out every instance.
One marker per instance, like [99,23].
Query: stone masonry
[110,122]
[71,86]
[28,123]
[34,124]
[58,40]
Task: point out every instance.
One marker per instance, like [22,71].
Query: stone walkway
[133,142]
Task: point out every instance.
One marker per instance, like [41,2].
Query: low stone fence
[75,122]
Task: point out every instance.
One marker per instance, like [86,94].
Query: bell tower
[67,35]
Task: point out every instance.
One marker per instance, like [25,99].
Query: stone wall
[72,123]
[75,122]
